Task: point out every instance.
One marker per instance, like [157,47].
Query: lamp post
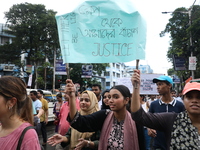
[190,23]
[54,68]
[67,70]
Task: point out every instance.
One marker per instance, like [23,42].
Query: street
[50,131]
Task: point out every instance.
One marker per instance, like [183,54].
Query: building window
[113,74]
[106,73]
[107,83]
[117,66]
[4,40]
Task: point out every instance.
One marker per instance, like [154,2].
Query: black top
[95,121]
[158,121]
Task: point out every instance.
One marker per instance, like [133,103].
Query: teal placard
[102,31]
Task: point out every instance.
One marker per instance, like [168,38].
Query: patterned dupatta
[184,135]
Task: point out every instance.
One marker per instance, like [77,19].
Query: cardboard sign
[147,86]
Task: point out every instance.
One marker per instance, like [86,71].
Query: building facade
[6,69]
[114,71]
[144,69]
[4,37]
[120,70]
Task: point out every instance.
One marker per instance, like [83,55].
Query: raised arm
[70,90]
[135,79]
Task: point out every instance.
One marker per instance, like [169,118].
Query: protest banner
[102,31]
[147,86]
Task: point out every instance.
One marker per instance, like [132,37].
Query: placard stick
[137,64]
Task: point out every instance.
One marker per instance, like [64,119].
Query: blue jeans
[147,139]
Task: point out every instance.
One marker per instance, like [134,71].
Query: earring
[9,107]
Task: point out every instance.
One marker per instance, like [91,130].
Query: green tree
[180,32]
[35,30]
[76,72]
[36,34]
[10,54]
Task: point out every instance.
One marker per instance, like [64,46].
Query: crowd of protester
[113,119]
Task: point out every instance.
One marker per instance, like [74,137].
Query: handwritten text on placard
[102,32]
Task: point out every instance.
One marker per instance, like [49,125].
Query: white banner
[192,63]
[147,86]
[30,80]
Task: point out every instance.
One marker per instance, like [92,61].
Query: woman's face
[106,97]
[116,101]
[192,103]
[3,107]
[59,98]
[85,101]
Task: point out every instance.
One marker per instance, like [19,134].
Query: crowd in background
[105,120]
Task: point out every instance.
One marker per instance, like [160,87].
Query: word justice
[113,49]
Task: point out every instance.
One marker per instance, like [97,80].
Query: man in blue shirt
[37,105]
[165,104]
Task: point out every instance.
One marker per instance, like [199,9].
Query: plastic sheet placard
[102,31]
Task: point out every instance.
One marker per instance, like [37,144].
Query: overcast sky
[156,47]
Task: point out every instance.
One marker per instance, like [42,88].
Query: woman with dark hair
[118,130]
[56,110]
[106,97]
[16,114]
[79,140]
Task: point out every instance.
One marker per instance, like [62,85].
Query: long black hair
[123,90]
[125,93]
[140,129]
[104,106]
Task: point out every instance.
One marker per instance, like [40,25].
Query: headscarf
[75,135]
[93,106]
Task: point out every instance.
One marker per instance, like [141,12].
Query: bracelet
[88,144]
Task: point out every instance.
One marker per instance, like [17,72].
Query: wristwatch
[88,143]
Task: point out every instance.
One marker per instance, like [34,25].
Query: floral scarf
[184,134]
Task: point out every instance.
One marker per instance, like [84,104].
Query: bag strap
[22,136]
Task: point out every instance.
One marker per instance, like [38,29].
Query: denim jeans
[147,139]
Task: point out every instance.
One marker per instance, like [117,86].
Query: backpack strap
[22,136]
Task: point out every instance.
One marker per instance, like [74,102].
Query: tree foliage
[76,72]
[181,32]
[36,35]
[35,28]
[10,53]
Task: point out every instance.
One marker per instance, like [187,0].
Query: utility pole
[67,70]
[189,12]
[54,69]
[191,45]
